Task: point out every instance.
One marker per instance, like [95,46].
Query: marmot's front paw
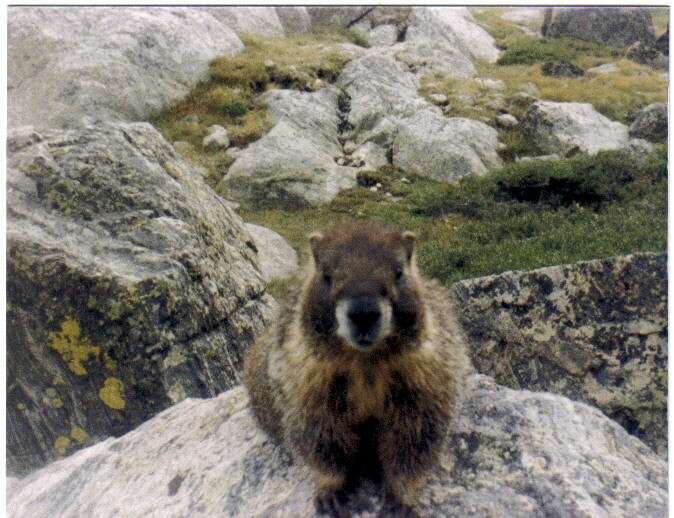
[332,503]
[393,508]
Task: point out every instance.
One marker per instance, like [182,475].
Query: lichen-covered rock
[511,453]
[69,66]
[278,260]
[594,331]
[567,127]
[615,26]
[651,123]
[295,162]
[130,286]
[444,148]
[647,55]
[323,16]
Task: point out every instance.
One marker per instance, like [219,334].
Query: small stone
[374,188]
[341,160]
[505,120]
[553,156]
[439,99]
[606,68]
[269,64]
[404,179]
[492,84]
[349,147]
[378,185]
[216,138]
[501,146]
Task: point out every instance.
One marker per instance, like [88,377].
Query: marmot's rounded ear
[315,238]
[409,239]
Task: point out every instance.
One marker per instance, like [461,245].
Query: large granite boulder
[594,331]
[442,148]
[295,163]
[278,260]
[130,286]
[69,66]
[615,26]
[569,127]
[512,453]
[294,19]
[651,123]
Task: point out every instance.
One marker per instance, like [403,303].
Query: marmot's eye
[399,274]
[327,279]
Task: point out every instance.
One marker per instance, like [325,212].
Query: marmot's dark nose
[364,313]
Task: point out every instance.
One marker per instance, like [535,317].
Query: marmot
[361,373]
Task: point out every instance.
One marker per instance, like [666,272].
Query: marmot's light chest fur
[361,374]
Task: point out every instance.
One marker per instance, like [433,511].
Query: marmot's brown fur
[361,374]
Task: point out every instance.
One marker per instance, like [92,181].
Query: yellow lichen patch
[61,444]
[73,348]
[79,434]
[52,398]
[112,393]
[110,364]
[21,406]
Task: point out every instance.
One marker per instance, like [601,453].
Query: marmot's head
[363,290]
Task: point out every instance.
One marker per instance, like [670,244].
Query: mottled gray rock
[72,65]
[594,331]
[606,68]
[647,55]
[131,286]
[383,36]
[444,148]
[616,26]
[278,260]
[216,138]
[293,163]
[380,90]
[563,127]
[651,123]
[553,156]
[512,453]
[372,156]
[506,120]
[294,19]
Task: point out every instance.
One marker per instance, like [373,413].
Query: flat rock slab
[131,285]
[512,453]
[567,127]
[593,331]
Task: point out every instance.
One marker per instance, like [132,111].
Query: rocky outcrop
[278,260]
[511,453]
[662,43]
[76,65]
[293,164]
[651,123]
[594,331]
[568,127]
[130,286]
[615,26]
[444,148]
